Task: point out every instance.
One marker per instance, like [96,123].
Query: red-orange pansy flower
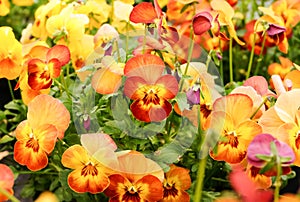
[41,72]
[148,88]
[139,179]
[145,12]
[92,163]
[177,180]
[6,181]
[36,136]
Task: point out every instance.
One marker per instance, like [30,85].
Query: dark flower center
[89,169]
[33,144]
[170,190]
[131,195]
[151,97]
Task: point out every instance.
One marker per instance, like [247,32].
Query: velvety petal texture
[144,12]
[148,88]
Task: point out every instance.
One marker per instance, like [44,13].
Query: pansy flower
[6,181]
[231,119]
[138,179]
[177,181]
[41,71]
[281,68]
[263,152]
[204,21]
[36,136]
[91,163]
[149,89]
[10,54]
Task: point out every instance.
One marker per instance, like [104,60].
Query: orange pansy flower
[281,69]
[231,119]
[177,181]
[148,88]
[41,72]
[10,54]
[34,145]
[6,181]
[139,179]
[36,136]
[92,163]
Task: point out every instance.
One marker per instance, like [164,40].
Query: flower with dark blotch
[149,89]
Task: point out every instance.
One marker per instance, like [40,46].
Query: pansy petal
[135,165]
[94,181]
[160,112]
[170,84]
[151,188]
[237,105]
[60,52]
[287,105]
[132,87]
[270,121]
[180,176]
[202,22]
[145,60]
[104,81]
[34,159]
[293,76]
[44,109]
[259,83]
[94,141]
[144,12]
[74,157]
[54,68]
[47,136]
[39,80]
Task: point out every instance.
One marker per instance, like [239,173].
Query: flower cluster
[124,101]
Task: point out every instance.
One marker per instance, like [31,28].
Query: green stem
[190,54]
[200,177]
[126,40]
[11,90]
[230,60]
[8,195]
[277,183]
[261,104]
[64,84]
[118,51]
[251,56]
[260,54]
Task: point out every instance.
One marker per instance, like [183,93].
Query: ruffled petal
[144,12]
[60,52]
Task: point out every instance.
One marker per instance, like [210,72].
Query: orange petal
[270,121]
[170,84]
[238,106]
[151,188]
[294,77]
[104,81]
[54,67]
[134,165]
[75,157]
[6,181]
[34,160]
[133,86]
[144,12]
[60,52]
[155,113]
[140,62]
[44,109]
[116,187]
[180,176]
[91,180]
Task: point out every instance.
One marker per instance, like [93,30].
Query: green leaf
[267,167]
[6,138]
[182,101]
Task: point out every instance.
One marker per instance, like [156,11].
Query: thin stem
[11,90]
[127,40]
[230,60]
[8,195]
[277,183]
[118,51]
[190,54]
[261,104]
[251,56]
[200,177]
[260,54]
